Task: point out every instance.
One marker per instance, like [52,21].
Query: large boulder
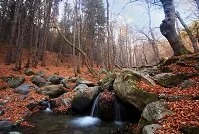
[83,99]
[38,80]
[153,112]
[150,129]
[53,91]
[23,89]
[126,89]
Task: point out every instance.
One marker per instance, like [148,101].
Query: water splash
[48,109]
[86,121]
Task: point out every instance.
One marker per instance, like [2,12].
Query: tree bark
[168,30]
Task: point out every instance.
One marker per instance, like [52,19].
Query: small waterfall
[48,109]
[95,108]
[118,119]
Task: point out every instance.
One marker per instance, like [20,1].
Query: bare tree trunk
[108,38]
[153,41]
[13,32]
[189,33]
[168,30]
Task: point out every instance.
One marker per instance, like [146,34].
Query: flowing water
[48,123]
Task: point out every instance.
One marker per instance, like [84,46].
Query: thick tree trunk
[168,30]
[189,33]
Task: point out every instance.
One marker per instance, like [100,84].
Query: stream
[48,123]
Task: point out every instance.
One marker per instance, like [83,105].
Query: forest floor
[186,111]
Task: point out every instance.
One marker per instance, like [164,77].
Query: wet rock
[107,106]
[53,91]
[23,89]
[80,87]
[29,72]
[126,89]
[83,99]
[88,83]
[153,112]
[150,129]
[6,125]
[190,130]
[54,79]
[38,80]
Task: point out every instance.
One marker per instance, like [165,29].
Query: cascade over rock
[126,89]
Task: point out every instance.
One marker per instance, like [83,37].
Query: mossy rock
[169,80]
[13,81]
[107,82]
[126,89]
[153,112]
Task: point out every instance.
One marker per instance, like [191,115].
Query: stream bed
[48,123]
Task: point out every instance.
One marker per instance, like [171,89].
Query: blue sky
[135,13]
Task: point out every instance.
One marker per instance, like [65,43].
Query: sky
[135,15]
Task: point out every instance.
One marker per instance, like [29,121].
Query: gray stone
[54,79]
[23,89]
[187,84]
[126,89]
[38,80]
[80,87]
[153,112]
[150,129]
[53,91]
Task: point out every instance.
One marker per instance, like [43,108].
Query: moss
[172,81]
